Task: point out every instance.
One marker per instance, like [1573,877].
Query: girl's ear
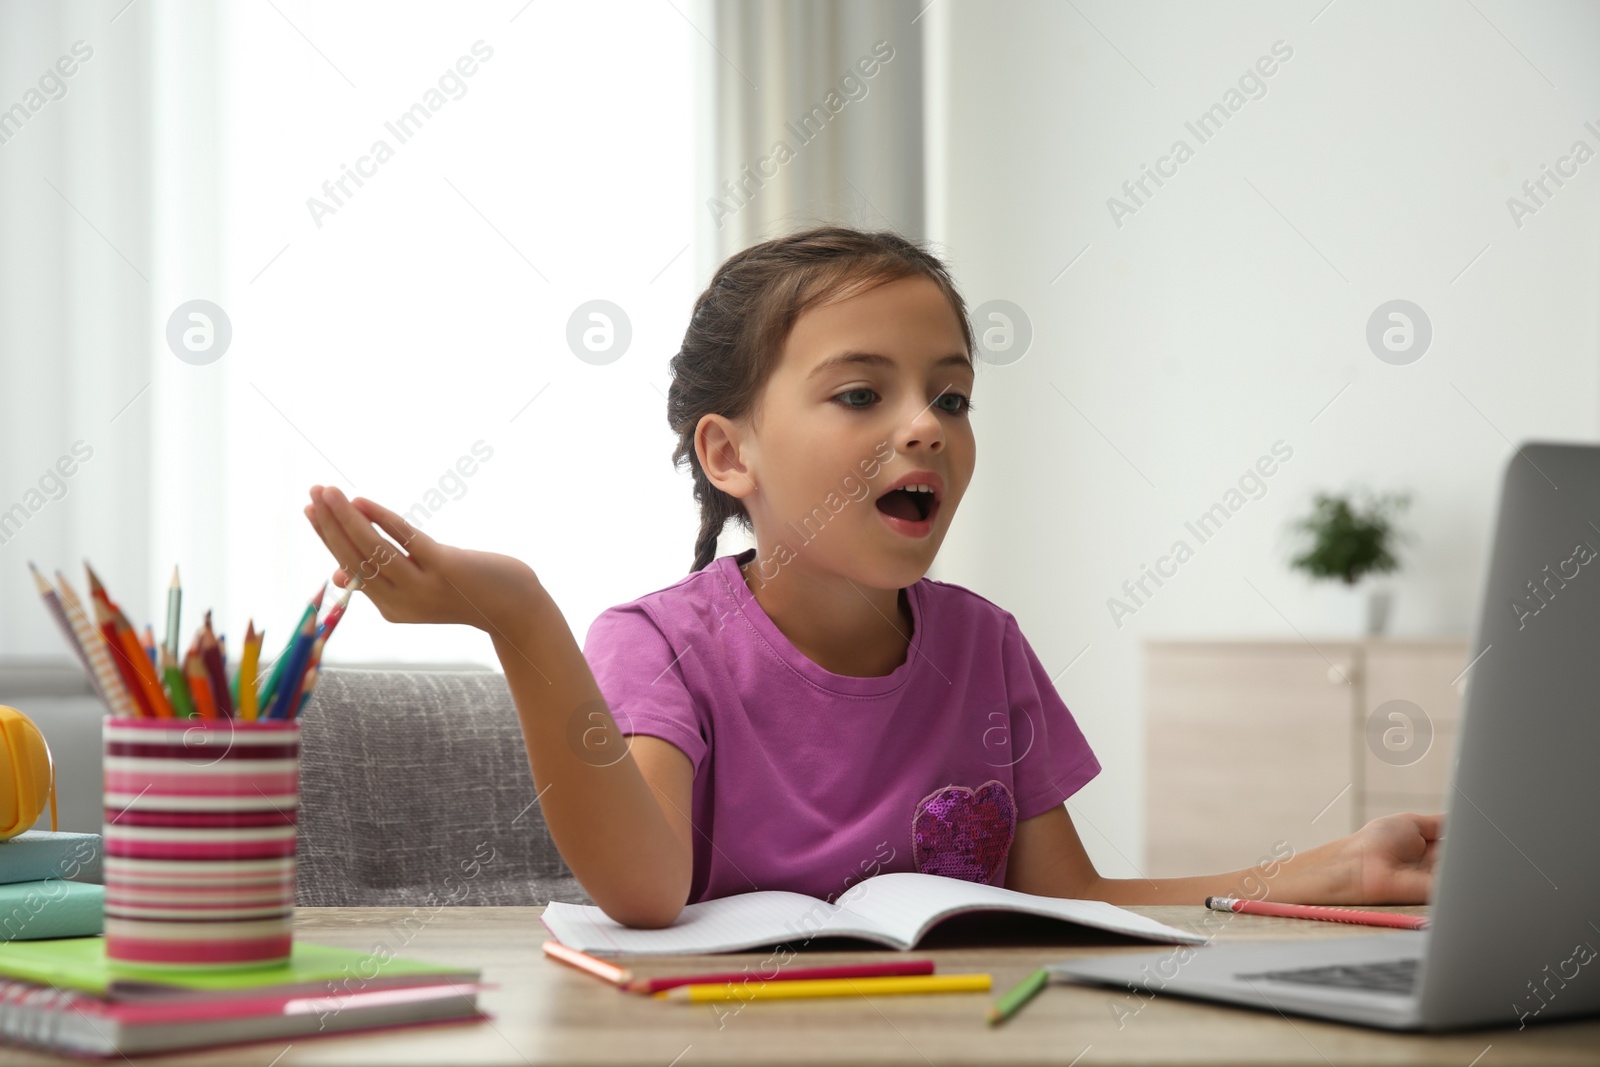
[716,444]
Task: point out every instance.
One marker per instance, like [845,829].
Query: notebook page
[728,924]
[905,905]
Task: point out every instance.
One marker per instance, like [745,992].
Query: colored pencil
[849,970]
[216,670]
[130,654]
[58,612]
[312,674]
[289,682]
[335,613]
[115,693]
[324,631]
[146,685]
[174,611]
[308,679]
[137,676]
[177,687]
[606,972]
[831,987]
[1318,911]
[105,625]
[270,690]
[146,670]
[114,647]
[249,662]
[205,700]
[1018,995]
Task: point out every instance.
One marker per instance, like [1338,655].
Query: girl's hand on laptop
[414,578]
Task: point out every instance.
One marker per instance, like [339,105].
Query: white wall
[1231,309]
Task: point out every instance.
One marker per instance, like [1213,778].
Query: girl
[812,711]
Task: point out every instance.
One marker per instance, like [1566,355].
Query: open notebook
[891,909]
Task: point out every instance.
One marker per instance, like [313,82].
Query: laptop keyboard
[1389,976]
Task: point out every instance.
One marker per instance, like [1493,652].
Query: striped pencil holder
[200,841]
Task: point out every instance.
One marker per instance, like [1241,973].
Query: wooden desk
[546,1013]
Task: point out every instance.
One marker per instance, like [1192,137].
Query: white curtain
[817,118]
[78,278]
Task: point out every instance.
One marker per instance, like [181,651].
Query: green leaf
[1349,540]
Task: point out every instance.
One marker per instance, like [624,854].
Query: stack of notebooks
[47,886]
[62,996]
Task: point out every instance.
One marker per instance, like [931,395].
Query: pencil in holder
[199,833]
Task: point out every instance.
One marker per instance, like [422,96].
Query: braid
[714,513]
[740,322]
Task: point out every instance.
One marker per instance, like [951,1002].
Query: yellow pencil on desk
[829,987]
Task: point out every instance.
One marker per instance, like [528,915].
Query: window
[411,202]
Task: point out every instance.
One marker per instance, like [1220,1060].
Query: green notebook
[80,963]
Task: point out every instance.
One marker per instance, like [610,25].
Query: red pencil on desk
[1317,911]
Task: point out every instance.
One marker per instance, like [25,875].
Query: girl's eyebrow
[875,360]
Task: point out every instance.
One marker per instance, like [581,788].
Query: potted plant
[1350,540]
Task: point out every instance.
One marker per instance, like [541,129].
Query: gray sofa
[415,791]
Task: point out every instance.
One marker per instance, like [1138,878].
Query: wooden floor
[546,1013]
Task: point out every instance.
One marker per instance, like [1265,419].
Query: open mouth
[910,504]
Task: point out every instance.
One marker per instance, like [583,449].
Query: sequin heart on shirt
[964,833]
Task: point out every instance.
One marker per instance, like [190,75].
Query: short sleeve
[637,670]
[1056,761]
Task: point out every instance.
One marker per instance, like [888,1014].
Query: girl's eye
[867,393]
[864,398]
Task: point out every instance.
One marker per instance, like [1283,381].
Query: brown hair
[736,334]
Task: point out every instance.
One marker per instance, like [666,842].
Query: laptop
[1514,932]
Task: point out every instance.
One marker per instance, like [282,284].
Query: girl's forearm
[1308,878]
[601,811]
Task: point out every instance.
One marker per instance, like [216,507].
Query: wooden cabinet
[1249,743]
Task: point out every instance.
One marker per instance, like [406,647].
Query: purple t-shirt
[807,780]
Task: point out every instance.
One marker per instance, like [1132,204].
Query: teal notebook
[39,854]
[52,908]
[80,963]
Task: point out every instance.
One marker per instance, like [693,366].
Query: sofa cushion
[415,791]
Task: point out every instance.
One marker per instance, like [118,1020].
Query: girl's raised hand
[414,578]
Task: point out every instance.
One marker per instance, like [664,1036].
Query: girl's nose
[923,429]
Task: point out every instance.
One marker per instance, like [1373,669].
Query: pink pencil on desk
[601,969]
[1317,911]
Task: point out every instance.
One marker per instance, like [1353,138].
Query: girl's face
[870,394]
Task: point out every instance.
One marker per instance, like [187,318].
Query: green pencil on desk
[1018,995]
